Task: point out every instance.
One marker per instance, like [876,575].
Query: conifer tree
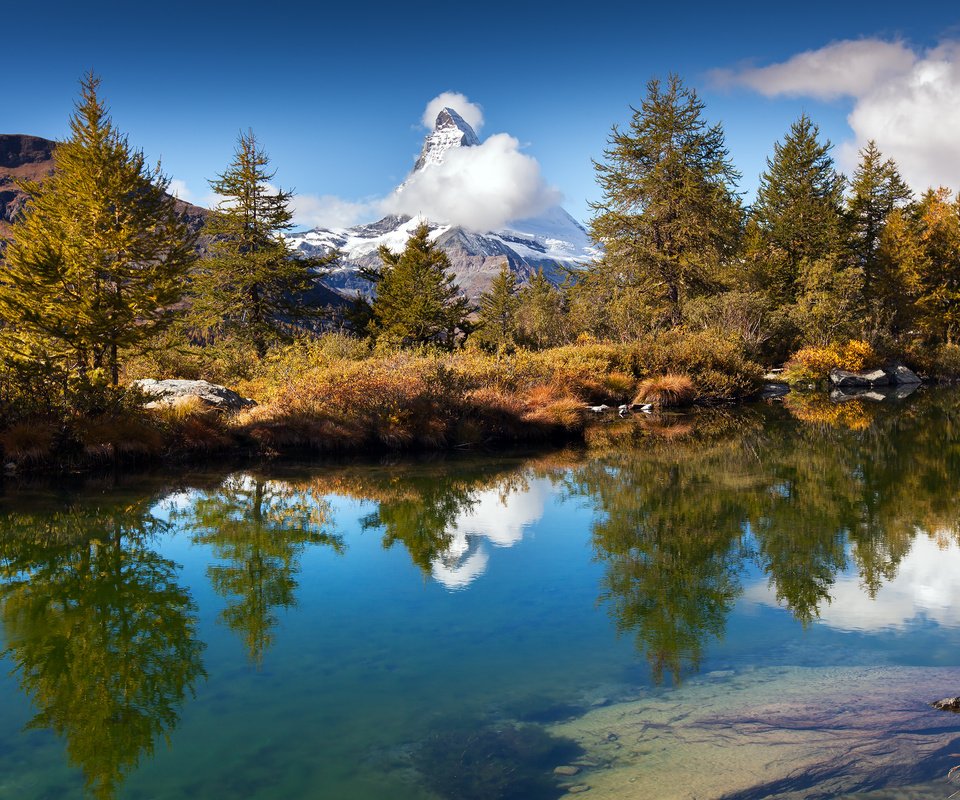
[100,254]
[497,321]
[669,215]
[417,301]
[541,313]
[252,284]
[875,191]
[938,271]
[798,210]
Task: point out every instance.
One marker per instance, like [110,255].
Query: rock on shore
[172,392]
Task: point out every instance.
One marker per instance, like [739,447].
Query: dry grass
[667,391]
[28,442]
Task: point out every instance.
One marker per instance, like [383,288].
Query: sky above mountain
[339,94]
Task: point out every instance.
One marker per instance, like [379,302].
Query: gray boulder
[902,376]
[173,392]
[858,380]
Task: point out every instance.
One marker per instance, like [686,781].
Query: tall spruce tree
[798,210]
[670,214]
[875,191]
[541,313]
[252,285]
[497,320]
[417,300]
[99,255]
[937,277]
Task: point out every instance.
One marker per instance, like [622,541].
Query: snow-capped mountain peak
[449,131]
[553,241]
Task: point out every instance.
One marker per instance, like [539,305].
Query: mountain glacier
[551,241]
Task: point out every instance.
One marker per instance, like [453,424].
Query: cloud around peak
[481,188]
[906,99]
[472,113]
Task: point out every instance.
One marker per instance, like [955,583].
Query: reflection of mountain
[924,587]
[492,515]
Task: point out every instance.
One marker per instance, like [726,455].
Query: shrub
[813,364]
[672,391]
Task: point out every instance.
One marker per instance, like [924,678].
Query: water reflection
[258,529]
[102,637]
[849,519]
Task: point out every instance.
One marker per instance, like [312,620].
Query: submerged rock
[173,392]
[566,770]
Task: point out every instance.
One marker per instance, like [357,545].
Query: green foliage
[541,313]
[669,215]
[99,257]
[252,285]
[497,321]
[100,635]
[417,301]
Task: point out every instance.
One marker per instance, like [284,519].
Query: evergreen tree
[669,215]
[875,191]
[417,301]
[937,277]
[252,284]
[899,260]
[497,322]
[798,211]
[541,313]
[100,254]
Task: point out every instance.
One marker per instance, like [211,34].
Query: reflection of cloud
[925,587]
[494,517]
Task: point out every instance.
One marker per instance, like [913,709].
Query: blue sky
[336,94]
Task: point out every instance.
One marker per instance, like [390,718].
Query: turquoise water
[458,627]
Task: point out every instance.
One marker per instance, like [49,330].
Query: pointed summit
[450,130]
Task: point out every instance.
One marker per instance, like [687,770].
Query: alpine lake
[738,603]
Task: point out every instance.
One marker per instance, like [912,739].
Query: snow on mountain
[551,241]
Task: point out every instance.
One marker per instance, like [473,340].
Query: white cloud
[472,113]
[848,68]
[179,189]
[329,211]
[908,101]
[481,188]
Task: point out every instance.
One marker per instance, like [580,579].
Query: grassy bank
[333,394]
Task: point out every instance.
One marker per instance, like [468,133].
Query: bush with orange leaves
[813,364]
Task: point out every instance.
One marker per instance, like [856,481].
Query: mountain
[551,241]
[24,157]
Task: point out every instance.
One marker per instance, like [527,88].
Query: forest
[693,296]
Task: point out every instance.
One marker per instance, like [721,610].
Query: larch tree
[670,214]
[797,256]
[252,284]
[876,190]
[417,300]
[497,320]
[99,256]
[541,314]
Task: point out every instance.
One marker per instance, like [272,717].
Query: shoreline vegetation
[692,299]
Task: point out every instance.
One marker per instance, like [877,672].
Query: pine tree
[669,215]
[100,254]
[541,313]
[798,211]
[938,272]
[417,301]
[252,284]
[875,191]
[497,321]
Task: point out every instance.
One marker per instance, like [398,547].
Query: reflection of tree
[102,637]
[258,529]
[673,552]
[422,510]
[680,517]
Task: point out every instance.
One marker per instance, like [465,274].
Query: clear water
[749,603]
